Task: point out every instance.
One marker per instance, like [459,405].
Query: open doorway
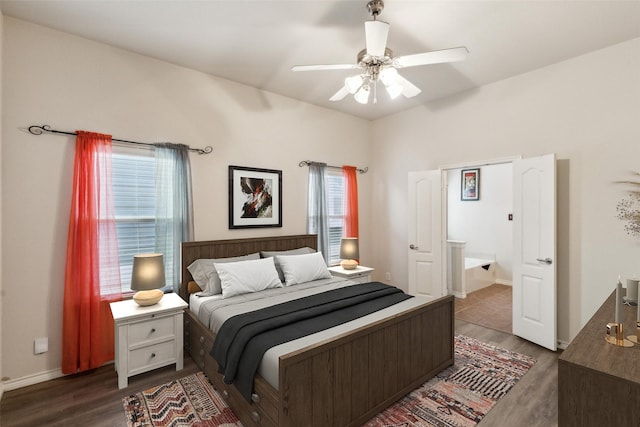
[479,232]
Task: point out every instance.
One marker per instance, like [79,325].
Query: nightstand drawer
[156,328]
[156,354]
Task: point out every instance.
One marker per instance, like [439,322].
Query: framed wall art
[470,179]
[255,197]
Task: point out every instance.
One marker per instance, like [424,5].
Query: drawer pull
[225,394]
[153,355]
[255,398]
[201,340]
[255,416]
[201,352]
[153,330]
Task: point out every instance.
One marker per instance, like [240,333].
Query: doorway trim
[445,201]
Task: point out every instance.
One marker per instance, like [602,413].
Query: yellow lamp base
[349,264]
[151,297]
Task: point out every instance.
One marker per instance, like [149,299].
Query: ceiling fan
[377,63]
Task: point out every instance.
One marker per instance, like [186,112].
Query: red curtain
[351,201]
[92,277]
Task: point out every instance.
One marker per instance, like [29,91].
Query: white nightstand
[148,337]
[360,274]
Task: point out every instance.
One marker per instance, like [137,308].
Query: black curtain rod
[308,162]
[39,130]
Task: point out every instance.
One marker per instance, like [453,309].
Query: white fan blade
[324,67]
[376,34]
[435,57]
[339,95]
[409,90]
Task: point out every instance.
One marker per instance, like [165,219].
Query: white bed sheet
[268,368]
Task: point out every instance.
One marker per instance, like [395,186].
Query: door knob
[545,261]
[412,246]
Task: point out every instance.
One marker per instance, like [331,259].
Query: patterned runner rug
[460,396]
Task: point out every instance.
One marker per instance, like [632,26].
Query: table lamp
[147,277]
[349,253]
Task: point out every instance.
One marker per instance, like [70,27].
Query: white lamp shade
[349,248]
[148,272]
[362,96]
[389,76]
[353,83]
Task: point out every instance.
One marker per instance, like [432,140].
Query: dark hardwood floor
[93,399]
[89,400]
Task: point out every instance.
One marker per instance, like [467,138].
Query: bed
[339,380]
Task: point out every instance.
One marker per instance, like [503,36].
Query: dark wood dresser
[599,383]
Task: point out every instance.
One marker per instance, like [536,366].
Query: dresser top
[590,350]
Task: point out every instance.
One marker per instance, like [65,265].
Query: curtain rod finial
[206,150]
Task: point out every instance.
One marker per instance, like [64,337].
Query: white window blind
[134,193]
[335,202]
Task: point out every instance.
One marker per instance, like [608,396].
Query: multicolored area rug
[189,401]
[460,396]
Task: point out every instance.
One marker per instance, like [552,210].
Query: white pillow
[303,268]
[247,276]
[206,276]
[297,251]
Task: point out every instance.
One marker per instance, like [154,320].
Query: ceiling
[257,42]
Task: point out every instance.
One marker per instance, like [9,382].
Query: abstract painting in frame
[255,197]
[470,179]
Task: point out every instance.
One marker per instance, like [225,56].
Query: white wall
[586,110]
[71,83]
[484,223]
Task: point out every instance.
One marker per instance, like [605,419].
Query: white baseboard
[503,282]
[31,379]
[460,294]
[562,345]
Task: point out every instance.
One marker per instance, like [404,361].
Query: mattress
[213,311]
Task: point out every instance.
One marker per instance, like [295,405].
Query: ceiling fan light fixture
[362,95]
[353,83]
[389,76]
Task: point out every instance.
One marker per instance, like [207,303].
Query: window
[134,188]
[335,205]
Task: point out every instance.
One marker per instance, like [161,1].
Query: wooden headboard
[212,249]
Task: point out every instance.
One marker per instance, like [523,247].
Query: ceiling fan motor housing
[373,64]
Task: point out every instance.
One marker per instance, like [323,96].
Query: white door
[534,252]
[425,233]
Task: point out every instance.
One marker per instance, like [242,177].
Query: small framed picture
[470,180]
[255,197]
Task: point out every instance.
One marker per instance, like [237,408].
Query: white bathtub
[479,273]
[468,273]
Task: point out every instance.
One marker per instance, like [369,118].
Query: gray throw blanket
[243,339]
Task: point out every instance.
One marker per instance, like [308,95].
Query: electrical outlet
[387,276]
[40,345]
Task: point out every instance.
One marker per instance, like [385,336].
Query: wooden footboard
[343,381]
